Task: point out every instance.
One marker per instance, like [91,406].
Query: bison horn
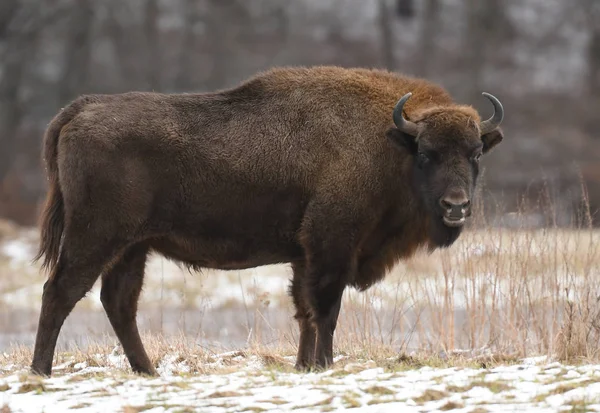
[404,125]
[492,123]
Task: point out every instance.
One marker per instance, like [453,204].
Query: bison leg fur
[121,287]
[329,268]
[306,346]
[325,321]
[79,266]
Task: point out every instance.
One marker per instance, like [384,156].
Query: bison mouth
[453,221]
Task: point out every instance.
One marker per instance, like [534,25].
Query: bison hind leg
[83,257]
[121,287]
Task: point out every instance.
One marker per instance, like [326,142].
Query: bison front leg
[306,345]
[330,263]
[327,293]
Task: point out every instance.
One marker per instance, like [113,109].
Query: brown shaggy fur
[296,165]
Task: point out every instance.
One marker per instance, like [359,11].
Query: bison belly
[233,229]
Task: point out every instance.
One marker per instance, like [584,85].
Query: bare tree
[593,49]
[224,39]
[19,27]
[429,29]
[121,29]
[77,51]
[185,70]
[405,8]
[8,9]
[151,32]
[592,11]
[387,42]
[488,29]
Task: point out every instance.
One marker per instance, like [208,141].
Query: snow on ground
[18,250]
[243,383]
[249,385]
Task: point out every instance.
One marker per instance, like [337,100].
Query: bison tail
[52,227]
[53,217]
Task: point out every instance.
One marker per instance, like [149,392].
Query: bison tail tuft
[52,227]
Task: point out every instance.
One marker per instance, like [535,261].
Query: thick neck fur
[405,226]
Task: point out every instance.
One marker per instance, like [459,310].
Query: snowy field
[516,293]
[246,384]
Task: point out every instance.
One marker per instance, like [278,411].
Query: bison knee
[324,285]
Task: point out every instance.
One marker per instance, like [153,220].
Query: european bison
[296,165]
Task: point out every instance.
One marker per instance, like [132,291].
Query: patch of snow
[18,250]
[535,360]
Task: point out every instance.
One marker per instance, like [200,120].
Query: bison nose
[450,204]
[456,204]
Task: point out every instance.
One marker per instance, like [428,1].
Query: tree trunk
[151,31]
[126,46]
[474,50]
[387,41]
[21,41]
[77,52]
[224,39]
[593,69]
[184,79]
[488,31]
[429,29]
[405,8]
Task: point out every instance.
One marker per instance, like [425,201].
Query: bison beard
[314,167]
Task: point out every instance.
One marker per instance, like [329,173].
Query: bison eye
[423,159]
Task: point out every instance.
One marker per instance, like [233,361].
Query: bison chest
[382,250]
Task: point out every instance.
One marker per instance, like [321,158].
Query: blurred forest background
[541,58]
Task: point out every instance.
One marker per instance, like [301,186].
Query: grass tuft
[450,405]
[379,391]
[431,395]
[223,394]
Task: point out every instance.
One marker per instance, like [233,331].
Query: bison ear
[402,140]
[492,139]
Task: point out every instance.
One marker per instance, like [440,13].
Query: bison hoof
[302,368]
[38,372]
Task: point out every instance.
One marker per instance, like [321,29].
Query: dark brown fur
[297,165]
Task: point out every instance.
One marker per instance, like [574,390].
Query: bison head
[446,144]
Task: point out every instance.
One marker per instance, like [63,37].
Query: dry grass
[450,405]
[512,292]
[185,358]
[379,391]
[430,395]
